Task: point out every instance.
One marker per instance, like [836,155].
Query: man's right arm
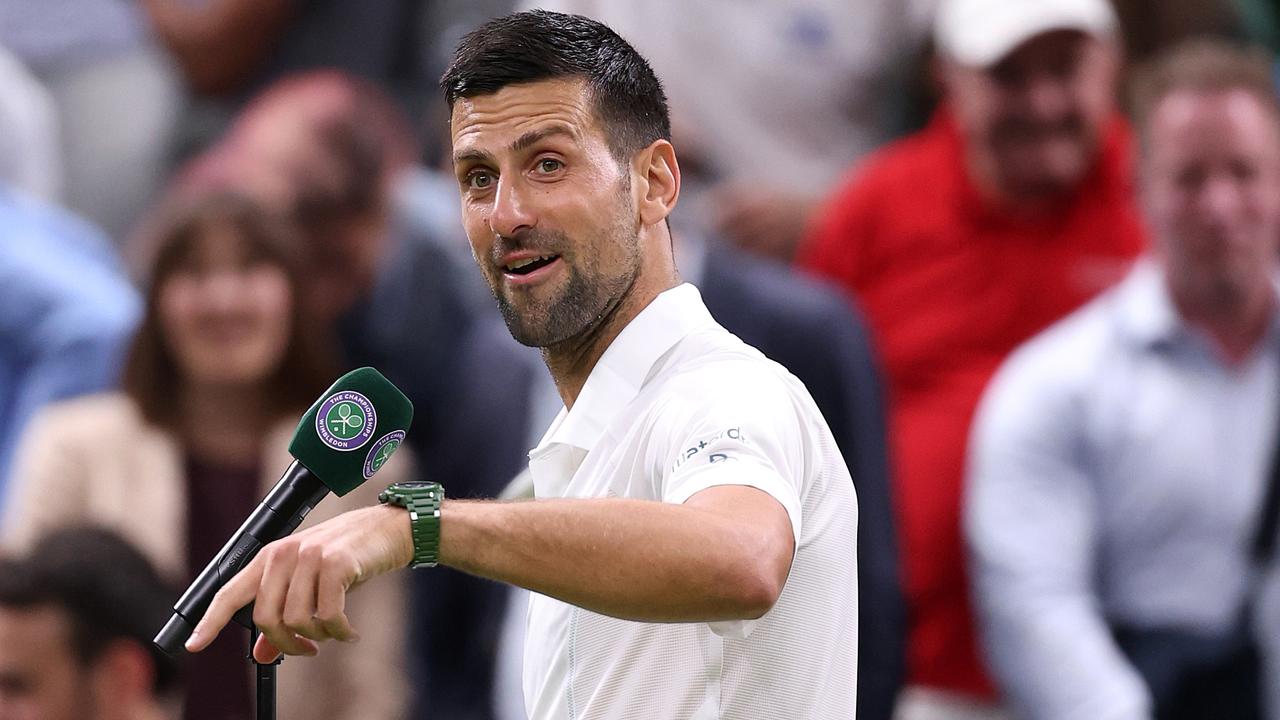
[724,554]
[1031,530]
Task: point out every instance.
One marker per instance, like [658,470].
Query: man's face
[40,678]
[1033,121]
[278,155]
[1211,187]
[549,211]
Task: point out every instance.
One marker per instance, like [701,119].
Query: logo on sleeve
[381,452]
[721,451]
[346,421]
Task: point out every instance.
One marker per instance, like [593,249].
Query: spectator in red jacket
[1012,208]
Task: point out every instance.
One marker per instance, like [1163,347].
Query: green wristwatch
[422,500]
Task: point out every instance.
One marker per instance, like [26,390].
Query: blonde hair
[1202,65]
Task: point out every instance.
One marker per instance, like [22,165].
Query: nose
[223,290]
[1047,96]
[1219,198]
[512,212]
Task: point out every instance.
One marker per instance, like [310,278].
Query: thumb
[264,652]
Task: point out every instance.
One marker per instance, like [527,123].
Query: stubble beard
[590,293]
[1040,181]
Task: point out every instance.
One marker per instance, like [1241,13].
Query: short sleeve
[732,455]
[751,437]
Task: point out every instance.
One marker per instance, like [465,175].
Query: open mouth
[529,265]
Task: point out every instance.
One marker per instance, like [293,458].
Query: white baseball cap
[980,33]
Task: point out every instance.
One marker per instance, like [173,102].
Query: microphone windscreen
[351,431]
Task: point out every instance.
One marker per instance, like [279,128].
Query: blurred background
[1023,253]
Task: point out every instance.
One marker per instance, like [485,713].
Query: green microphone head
[353,428]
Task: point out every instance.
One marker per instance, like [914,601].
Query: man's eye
[14,685]
[479,180]
[549,165]
[1190,178]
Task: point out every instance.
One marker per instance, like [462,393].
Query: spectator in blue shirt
[66,311]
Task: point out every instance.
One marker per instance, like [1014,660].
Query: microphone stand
[266,680]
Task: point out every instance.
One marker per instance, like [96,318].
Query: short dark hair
[151,375]
[536,45]
[106,587]
[1202,65]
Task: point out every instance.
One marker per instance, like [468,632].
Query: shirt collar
[621,371]
[1148,314]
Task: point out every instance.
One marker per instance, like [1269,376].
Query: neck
[572,361]
[1236,326]
[224,423]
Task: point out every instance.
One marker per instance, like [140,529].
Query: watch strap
[423,502]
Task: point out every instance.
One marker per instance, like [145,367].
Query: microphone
[341,441]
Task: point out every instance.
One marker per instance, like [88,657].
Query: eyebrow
[478,156]
[522,143]
[531,138]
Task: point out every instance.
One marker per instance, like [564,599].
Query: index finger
[240,591]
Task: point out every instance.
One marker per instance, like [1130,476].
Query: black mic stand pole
[265,673]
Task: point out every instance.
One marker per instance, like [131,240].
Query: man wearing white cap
[1011,209]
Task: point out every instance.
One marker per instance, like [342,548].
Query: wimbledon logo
[381,452]
[346,421]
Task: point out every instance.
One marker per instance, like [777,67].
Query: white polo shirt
[674,406]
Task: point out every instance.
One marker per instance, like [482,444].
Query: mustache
[1018,128]
[540,241]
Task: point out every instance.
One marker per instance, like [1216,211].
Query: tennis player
[692,544]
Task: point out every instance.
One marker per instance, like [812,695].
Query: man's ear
[124,677]
[658,181]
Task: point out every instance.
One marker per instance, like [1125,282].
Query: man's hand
[299,584]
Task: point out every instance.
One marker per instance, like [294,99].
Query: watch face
[412,485]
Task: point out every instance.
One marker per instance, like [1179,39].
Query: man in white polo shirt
[692,545]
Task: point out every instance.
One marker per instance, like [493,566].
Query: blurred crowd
[1025,254]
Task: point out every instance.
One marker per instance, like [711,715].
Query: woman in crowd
[225,362]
